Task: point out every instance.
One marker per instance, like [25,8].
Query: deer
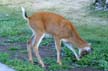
[42,23]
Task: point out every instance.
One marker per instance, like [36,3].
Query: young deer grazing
[61,29]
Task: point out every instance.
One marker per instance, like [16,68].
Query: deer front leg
[76,55]
[72,49]
[58,48]
[38,39]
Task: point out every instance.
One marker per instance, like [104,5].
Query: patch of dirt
[21,52]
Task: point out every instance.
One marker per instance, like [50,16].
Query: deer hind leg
[38,39]
[58,49]
[29,48]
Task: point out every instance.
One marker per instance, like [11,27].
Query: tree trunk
[99,4]
[106,5]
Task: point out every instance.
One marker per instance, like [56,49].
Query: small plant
[13,48]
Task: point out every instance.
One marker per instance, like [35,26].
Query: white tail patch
[23,13]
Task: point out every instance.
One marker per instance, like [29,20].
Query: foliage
[13,27]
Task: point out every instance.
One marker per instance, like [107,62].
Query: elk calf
[60,28]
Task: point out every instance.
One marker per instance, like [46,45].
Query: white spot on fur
[85,48]
[64,40]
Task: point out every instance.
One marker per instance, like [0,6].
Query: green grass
[13,48]
[14,27]
[93,12]
[19,65]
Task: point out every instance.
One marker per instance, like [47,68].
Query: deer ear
[89,44]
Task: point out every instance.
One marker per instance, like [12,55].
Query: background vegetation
[92,26]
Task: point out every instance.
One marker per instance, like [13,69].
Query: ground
[48,53]
[14,33]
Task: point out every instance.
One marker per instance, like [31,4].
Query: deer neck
[80,43]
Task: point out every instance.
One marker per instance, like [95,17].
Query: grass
[11,24]
[19,65]
[93,12]
[13,27]
[13,48]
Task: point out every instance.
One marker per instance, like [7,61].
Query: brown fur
[56,25]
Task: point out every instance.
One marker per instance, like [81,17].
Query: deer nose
[83,53]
